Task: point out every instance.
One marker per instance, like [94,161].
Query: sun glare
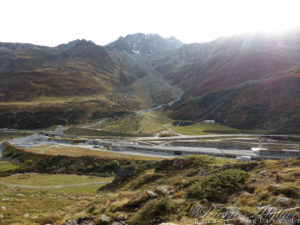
[104,21]
[225,18]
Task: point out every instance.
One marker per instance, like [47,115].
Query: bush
[111,166]
[46,219]
[91,209]
[146,179]
[29,162]
[153,212]
[218,187]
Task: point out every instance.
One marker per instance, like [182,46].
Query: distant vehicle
[177,152]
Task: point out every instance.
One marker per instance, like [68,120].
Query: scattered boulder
[162,190]
[80,221]
[126,171]
[243,220]
[274,187]
[284,201]
[118,223]
[105,219]
[71,222]
[151,194]
[122,217]
[263,173]
[20,195]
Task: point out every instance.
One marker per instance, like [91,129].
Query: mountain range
[249,81]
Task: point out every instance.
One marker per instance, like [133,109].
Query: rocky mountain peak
[78,43]
[145,44]
[84,49]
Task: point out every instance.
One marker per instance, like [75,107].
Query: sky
[53,22]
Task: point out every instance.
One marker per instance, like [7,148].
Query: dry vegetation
[167,191]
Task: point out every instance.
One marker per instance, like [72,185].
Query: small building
[209,121]
[276,154]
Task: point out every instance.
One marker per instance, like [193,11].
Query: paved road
[170,150]
[187,137]
[136,146]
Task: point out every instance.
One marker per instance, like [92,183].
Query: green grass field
[143,123]
[155,122]
[201,128]
[6,166]
[48,180]
[36,206]
[204,128]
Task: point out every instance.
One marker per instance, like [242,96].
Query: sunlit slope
[247,81]
[77,68]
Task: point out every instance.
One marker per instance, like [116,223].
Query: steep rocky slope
[247,81]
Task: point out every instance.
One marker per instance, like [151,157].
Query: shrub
[91,209]
[146,179]
[153,212]
[46,219]
[111,165]
[218,187]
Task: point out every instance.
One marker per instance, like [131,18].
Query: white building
[209,121]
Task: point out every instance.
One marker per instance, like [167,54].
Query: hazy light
[51,22]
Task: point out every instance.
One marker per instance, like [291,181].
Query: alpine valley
[151,131]
[249,81]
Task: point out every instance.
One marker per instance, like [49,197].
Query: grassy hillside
[168,191]
[246,81]
[6,166]
[142,123]
[256,105]
[203,128]
[75,69]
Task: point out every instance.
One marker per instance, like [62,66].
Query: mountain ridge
[226,79]
[140,43]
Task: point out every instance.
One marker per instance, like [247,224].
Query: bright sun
[239,16]
[264,15]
